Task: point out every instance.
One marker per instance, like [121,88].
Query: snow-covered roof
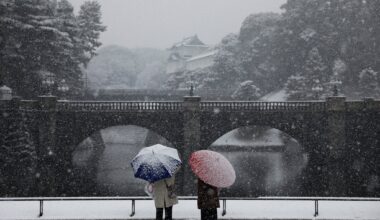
[203,55]
[44,73]
[175,57]
[189,41]
[276,96]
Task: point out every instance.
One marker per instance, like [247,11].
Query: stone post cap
[5,88]
[5,93]
[192,98]
[47,102]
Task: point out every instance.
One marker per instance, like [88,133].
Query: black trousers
[209,214]
[168,213]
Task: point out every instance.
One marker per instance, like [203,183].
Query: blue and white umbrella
[156,162]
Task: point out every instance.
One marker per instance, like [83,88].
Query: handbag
[148,189]
[171,190]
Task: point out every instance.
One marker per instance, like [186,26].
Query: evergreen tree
[247,90]
[17,156]
[175,80]
[71,52]
[341,30]
[369,83]
[295,87]
[316,76]
[39,36]
[89,21]
[227,64]
[258,51]
[31,45]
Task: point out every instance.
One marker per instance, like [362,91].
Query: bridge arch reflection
[102,161]
[268,162]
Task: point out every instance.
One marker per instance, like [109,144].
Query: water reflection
[267,161]
[107,157]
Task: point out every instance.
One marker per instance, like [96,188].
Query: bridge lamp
[63,88]
[335,82]
[317,89]
[48,82]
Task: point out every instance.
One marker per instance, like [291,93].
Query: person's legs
[168,213]
[209,214]
[203,214]
[213,214]
[159,213]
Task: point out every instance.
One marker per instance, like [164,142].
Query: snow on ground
[187,209]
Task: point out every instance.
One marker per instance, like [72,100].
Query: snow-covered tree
[369,83]
[258,51]
[295,87]
[247,90]
[44,36]
[17,156]
[227,64]
[70,52]
[89,20]
[315,73]
[312,83]
[175,80]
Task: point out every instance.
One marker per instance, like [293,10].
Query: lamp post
[48,82]
[335,82]
[63,88]
[317,89]
[85,81]
[191,91]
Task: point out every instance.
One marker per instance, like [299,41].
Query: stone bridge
[333,132]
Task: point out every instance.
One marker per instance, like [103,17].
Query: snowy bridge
[329,131]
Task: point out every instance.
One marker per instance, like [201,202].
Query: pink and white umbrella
[213,168]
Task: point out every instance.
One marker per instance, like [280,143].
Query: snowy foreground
[187,209]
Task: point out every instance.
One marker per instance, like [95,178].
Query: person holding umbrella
[164,197]
[208,200]
[213,171]
[158,164]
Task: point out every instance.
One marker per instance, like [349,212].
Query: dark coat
[208,196]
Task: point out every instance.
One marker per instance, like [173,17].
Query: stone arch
[308,129]
[102,161]
[80,125]
[268,162]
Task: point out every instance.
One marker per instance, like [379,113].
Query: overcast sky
[161,23]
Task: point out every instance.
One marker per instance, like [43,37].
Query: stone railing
[118,106]
[360,105]
[264,106]
[29,105]
[313,106]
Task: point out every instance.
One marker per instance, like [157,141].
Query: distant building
[190,54]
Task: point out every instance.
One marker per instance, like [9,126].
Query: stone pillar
[46,149]
[16,102]
[192,137]
[369,103]
[369,141]
[336,146]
